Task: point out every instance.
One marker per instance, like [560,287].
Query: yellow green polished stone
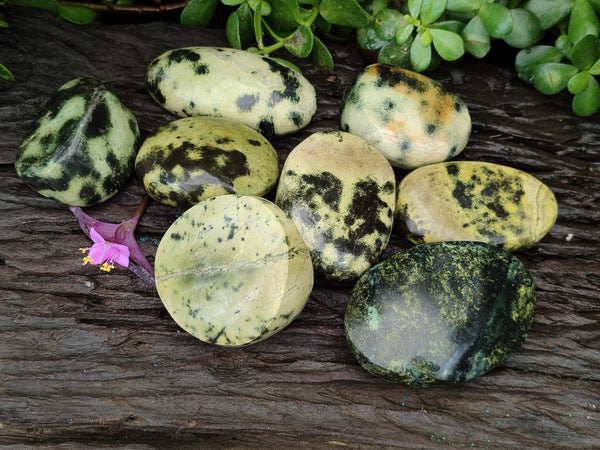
[474,201]
[192,159]
[440,313]
[82,148]
[233,270]
[340,193]
[410,118]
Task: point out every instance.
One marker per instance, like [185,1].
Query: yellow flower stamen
[106,267]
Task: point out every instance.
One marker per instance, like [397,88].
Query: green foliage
[418,34]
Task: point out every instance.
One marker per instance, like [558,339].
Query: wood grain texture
[89,359]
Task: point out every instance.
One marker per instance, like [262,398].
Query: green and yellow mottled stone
[233,270]
[235,84]
[82,148]
[440,313]
[196,158]
[340,193]
[412,119]
[474,201]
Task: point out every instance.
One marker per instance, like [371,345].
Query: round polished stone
[82,148]
[340,193]
[196,158]
[233,270]
[440,313]
[235,84]
[474,201]
[410,118]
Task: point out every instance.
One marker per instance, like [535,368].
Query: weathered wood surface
[90,359]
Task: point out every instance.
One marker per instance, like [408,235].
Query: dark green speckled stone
[440,313]
[82,148]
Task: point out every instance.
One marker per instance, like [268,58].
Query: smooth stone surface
[235,84]
[233,270]
[474,201]
[82,147]
[410,118]
[440,313]
[339,191]
[196,158]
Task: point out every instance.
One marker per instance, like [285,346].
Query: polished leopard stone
[82,148]
[233,270]
[440,313]
[339,191]
[474,201]
[235,84]
[412,119]
[194,158]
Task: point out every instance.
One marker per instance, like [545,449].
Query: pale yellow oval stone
[474,201]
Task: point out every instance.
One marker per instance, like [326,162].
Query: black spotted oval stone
[339,191]
[412,119]
[235,84]
[195,158]
[82,148]
[233,270]
[440,313]
[474,201]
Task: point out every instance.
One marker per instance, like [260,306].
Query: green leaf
[582,21]
[321,56]
[3,23]
[587,101]
[344,12]
[81,15]
[528,58]
[431,10]
[396,55]
[449,45]
[564,45]
[551,78]
[285,14]
[526,29]
[449,25]
[585,52]
[198,12]
[496,19]
[368,39]
[246,19]
[578,82]
[549,12]
[420,55]
[596,5]
[379,5]
[301,43]
[232,30]
[595,69]
[260,5]
[232,2]
[426,38]
[387,23]
[476,38]
[462,5]
[6,74]
[414,8]
[286,63]
[404,33]
[47,5]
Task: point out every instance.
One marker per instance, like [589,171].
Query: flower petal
[96,237]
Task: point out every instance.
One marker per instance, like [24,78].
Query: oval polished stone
[440,313]
[233,270]
[474,201]
[196,158]
[339,191]
[82,148]
[235,84]
[410,118]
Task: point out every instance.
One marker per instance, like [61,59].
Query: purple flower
[115,243]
